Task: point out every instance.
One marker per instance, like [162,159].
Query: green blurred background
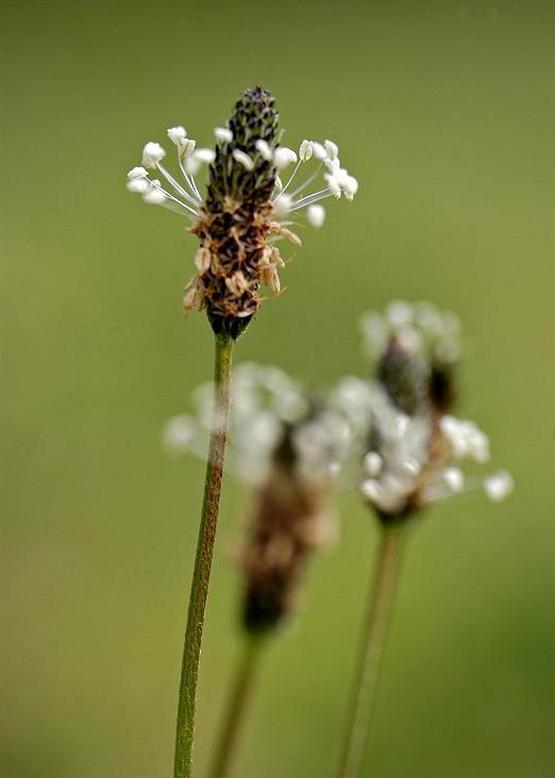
[445,113]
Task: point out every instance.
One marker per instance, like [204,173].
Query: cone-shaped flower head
[411,448]
[247,206]
[291,446]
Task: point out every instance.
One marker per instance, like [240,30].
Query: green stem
[203,562]
[236,707]
[372,642]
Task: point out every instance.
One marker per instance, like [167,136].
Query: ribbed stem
[372,642]
[203,562]
[236,707]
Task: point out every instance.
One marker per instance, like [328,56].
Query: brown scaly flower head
[247,207]
[412,446]
[290,446]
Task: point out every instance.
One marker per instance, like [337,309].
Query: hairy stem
[372,642]
[236,707]
[203,562]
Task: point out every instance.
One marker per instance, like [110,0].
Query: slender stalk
[372,642]
[203,561]
[236,707]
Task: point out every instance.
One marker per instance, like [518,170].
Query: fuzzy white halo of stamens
[184,195]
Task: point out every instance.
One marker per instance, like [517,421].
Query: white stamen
[410,339]
[152,154]
[138,185]
[454,479]
[178,136]
[199,157]
[429,318]
[316,215]
[333,165]
[333,185]
[332,149]
[319,150]
[371,490]
[350,187]
[291,177]
[307,200]
[193,199]
[191,183]
[223,134]
[478,443]
[499,485]
[188,147]
[283,204]
[305,150]
[179,434]
[284,157]
[137,172]
[187,197]
[264,150]
[162,197]
[154,196]
[399,313]
[243,159]
[372,464]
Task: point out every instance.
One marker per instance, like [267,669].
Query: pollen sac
[403,377]
[236,220]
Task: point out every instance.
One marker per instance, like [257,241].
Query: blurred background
[445,113]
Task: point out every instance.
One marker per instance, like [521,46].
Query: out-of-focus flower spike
[412,446]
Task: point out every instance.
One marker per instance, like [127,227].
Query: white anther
[499,485]
[243,159]
[223,134]
[152,154]
[316,215]
[284,157]
[264,149]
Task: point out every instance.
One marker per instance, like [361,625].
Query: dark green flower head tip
[254,118]
[403,376]
[416,348]
[243,169]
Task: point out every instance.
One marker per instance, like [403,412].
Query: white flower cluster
[419,328]
[185,197]
[400,469]
[267,403]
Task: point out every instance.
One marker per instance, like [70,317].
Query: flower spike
[246,206]
[412,446]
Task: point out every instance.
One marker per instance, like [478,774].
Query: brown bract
[240,260]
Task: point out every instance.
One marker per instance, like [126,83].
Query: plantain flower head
[412,447]
[254,191]
[290,445]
